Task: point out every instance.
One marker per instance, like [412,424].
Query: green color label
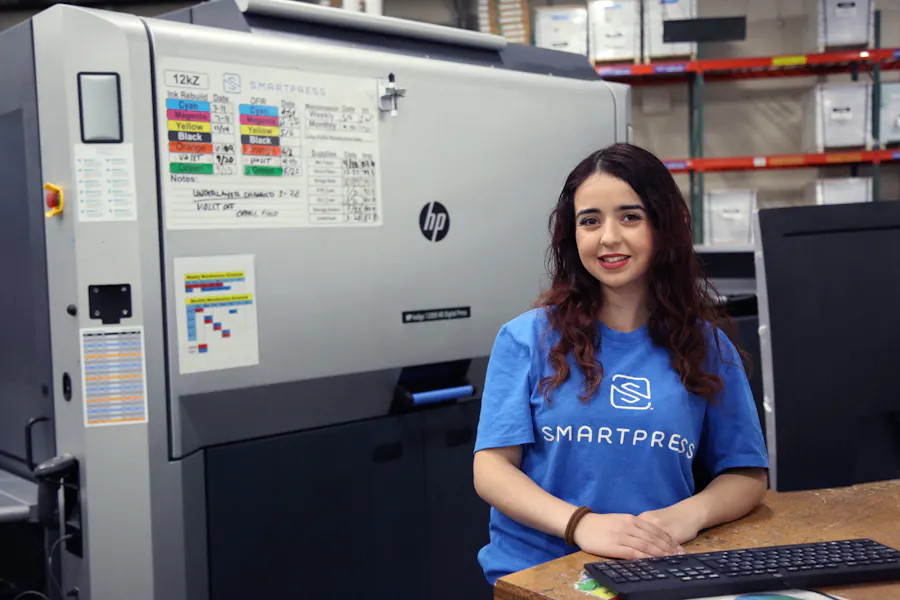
[197,169]
[265,171]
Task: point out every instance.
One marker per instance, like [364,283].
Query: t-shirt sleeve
[732,435]
[506,401]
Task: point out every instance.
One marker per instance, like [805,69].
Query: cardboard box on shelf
[890,113]
[839,24]
[656,12]
[562,28]
[838,115]
[842,190]
[614,30]
[507,18]
[727,217]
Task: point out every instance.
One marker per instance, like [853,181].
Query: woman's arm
[731,495]
[502,484]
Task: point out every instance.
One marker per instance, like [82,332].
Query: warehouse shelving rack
[697,73]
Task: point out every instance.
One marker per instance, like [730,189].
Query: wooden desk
[863,511]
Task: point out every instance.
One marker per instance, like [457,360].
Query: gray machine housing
[280,477]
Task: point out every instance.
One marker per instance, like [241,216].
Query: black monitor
[828,280]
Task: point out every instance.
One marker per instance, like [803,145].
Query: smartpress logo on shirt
[586,434]
[630,393]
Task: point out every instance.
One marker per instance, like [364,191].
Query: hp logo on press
[434,221]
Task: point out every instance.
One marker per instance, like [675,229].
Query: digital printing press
[264,249]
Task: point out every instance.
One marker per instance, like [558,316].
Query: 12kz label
[185,79]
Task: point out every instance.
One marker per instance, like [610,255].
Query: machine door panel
[331,513]
[457,518]
[25,377]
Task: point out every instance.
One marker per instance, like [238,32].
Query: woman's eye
[632,217]
[589,221]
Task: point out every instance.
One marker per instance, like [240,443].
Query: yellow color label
[192,126]
[786,61]
[259,130]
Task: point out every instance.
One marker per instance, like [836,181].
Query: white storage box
[838,115]
[727,217]
[614,30]
[562,28]
[655,13]
[890,113]
[839,23]
[845,190]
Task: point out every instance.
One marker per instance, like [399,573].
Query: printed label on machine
[104,182]
[249,147]
[437,314]
[216,306]
[113,376]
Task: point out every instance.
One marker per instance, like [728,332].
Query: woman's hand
[623,536]
[678,521]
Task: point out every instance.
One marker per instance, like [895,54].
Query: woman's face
[612,231]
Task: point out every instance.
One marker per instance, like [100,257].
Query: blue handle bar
[453,393]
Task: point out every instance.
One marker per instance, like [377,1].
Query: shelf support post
[697,152]
[876,109]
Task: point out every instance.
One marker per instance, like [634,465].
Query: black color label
[261,140]
[189,136]
[437,314]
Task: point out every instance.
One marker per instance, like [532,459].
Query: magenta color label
[257,120]
[188,115]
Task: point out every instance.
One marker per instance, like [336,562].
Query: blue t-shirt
[628,450]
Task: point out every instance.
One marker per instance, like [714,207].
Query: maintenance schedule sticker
[438,314]
[259,147]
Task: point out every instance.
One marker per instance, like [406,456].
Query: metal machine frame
[373,341]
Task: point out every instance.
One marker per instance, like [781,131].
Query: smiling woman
[597,402]
[622,200]
[611,235]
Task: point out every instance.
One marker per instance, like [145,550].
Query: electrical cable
[52,575]
[13,585]
[50,563]
[31,593]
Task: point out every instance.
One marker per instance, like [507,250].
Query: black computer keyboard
[800,566]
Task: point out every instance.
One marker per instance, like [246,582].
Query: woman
[597,401]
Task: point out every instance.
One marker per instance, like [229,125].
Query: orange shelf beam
[749,68]
[782,161]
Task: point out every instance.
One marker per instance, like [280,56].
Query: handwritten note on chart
[216,311]
[249,155]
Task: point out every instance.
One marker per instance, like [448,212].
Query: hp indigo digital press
[256,255]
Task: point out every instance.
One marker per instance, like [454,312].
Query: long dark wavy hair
[681,299]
